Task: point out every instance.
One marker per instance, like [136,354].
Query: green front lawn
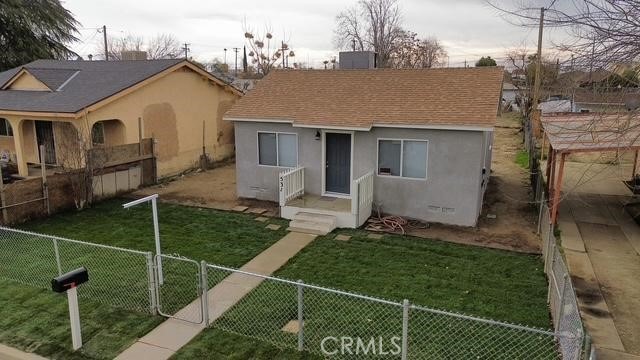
[115,302]
[219,237]
[483,282]
[489,283]
[37,320]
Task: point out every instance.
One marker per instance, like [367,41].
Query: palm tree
[34,29]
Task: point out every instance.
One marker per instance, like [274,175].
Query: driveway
[601,243]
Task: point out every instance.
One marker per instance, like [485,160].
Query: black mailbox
[69,280]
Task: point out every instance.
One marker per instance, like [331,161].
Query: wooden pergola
[569,133]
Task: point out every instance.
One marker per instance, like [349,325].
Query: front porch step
[309,223]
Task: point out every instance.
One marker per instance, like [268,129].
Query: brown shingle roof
[365,98]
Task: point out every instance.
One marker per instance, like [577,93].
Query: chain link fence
[338,324]
[563,302]
[118,277]
[292,314]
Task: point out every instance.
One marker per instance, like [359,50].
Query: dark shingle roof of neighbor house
[85,83]
[375,97]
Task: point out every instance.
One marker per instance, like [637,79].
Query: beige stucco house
[115,102]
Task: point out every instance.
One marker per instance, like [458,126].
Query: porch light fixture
[317,134]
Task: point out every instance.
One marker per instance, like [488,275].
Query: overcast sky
[468,28]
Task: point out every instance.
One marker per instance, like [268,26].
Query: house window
[5,128]
[97,133]
[402,158]
[277,149]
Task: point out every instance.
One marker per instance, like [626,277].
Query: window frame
[401,176]
[8,128]
[277,133]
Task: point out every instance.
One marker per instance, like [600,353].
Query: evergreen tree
[34,29]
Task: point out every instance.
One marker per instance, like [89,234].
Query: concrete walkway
[9,353]
[163,341]
[602,245]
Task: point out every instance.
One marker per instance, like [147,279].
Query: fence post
[405,328]
[45,185]
[549,269]
[56,251]
[541,209]
[561,307]
[205,289]
[153,302]
[3,201]
[300,316]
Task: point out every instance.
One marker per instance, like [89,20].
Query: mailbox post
[156,227]
[68,283]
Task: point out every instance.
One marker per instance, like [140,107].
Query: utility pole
[283,56]
[225,56]
[104,37]
[536,84]
[186,51]
[235,49]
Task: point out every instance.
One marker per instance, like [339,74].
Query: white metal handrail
[362,197]
[291,184]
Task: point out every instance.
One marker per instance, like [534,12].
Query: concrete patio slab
[608,245]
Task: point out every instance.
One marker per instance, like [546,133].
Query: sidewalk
[163,341]
[9,353]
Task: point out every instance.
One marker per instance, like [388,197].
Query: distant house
[511,95]
[118,102]
[608,100]
[334,144]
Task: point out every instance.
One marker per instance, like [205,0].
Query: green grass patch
[37,320]
[118,278]
[489,283]
[522,159]
[219,237]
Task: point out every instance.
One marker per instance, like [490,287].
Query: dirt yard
[215,188]
[508,198]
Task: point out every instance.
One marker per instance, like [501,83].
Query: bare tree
[601,32]
[522,63]
[161,46]
[73,155]
[266,52]
[412,52]
[370,25]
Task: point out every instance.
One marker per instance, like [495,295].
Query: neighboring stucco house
[173,101]
[417,143]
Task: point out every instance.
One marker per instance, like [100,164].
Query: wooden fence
[117,170]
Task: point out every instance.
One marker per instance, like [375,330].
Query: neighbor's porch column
[18,141]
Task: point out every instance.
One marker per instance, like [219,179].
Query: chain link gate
[180,293]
